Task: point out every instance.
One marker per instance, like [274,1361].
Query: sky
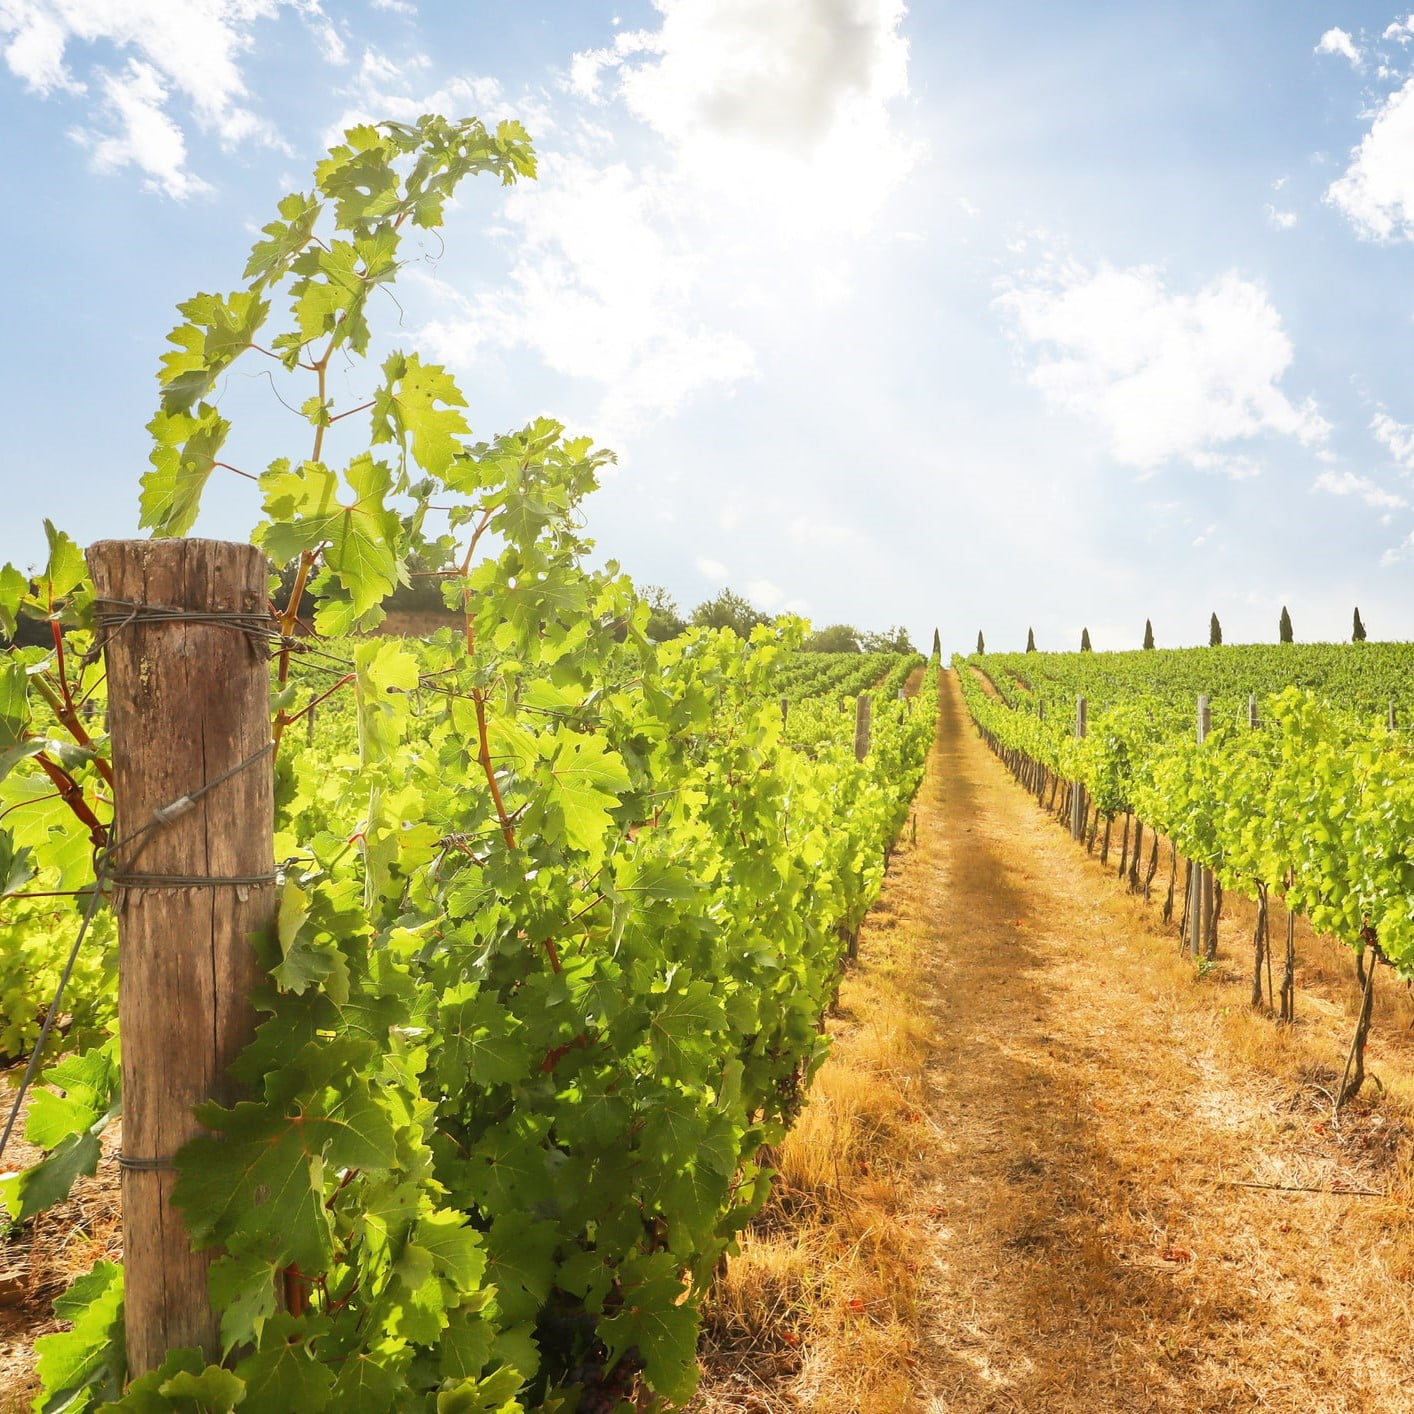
[977,316]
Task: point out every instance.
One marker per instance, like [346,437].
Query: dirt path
[1090,1111]
[1091,1115]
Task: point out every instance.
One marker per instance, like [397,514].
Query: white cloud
[166,49]
[1376,194]
[1337,41]
[1399,552]
[817,534]
[146,137]
[1396,437]
[1161,375]
[713,570]
[763,150]
[1400,30]
[764,594]
[1281,220]
[1234,466]
[1347,483]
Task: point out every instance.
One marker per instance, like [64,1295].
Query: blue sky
[997,316]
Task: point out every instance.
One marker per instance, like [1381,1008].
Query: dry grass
[1023,1182]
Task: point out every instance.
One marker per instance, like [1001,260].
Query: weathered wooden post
[1201,900]
[1252,711]
[184,627]
[862,708]
[1078,802]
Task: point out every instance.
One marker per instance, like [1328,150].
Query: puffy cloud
[190,50]
[1347,483]
[146,137]
[1337,41]
[763,148]
[1376,193]
[1160,374]
[1280,220]
[1397,438]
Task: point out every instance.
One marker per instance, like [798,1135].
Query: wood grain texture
[187,701]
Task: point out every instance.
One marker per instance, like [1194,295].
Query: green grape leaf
[217,331]
[64,570]
[285,239]
[496,1394]
[264,1177]
[85,1364]
[285,1372]
[243,1291]
[183,458]
[417,404]
[13,588]
[17,865]
[684,1025]
[578,787]
[183,1384]
[663,1327]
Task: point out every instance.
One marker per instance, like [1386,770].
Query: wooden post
[1077,799]
[1200,911]
[189,700]
[862,705]
[1252,710]
[1393,717]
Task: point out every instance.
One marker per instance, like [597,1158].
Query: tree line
[1285,633]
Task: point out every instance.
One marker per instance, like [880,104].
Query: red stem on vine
[72,795]
[508,833]
[310,706]
[63,705]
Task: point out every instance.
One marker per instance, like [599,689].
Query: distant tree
[981,642]
[1357,633]
[1284,626]
[836,638]
[1148,634]
[1030,640]
[889,640]
[664,619]
[1215,632]
[1085,641]
[729,610]
[937,645]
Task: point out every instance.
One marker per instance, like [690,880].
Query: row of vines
[560,911]
[1314,803]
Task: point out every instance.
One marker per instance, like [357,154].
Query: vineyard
[545,922]
[556,913]
[1299,782]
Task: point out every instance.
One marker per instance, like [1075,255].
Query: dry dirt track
[1091,1110]
[1092,1115]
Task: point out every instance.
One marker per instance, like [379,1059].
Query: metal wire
[106,871]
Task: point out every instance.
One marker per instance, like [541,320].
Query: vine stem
[508,833]
[64,708]
[72,795]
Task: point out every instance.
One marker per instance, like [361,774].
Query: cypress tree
[981,644]
[1030,640]
[1148,634]
[1357,633]
[1085,640]
[1284,627]
[1215,632]
[937,645]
